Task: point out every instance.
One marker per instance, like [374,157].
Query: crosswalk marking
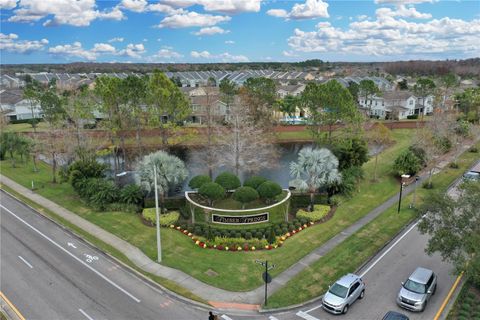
[272,318]
[226,317]
[306,316]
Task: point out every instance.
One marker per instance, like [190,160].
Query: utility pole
[402,183]
[159,243]
[266,276]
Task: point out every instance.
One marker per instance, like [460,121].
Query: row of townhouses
[390,104]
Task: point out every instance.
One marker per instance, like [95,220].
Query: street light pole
[412,205]
[404,176]
[159,243]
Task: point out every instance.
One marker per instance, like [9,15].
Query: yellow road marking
[449,295]
[10,304]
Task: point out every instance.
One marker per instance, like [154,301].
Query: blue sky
[59,31]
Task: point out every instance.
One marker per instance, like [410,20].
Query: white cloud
[71,12]
[279,13]
[133,50]
[73,50]
[9,42]
[223,57]
[388,36]
[289,54]
[211,31]
[402,11]
[103,48]
[361,17]
[224,6]
[203,54]
[8,4]
[134,5]
[167,54]
[229,42]
[311,9]
[191,19]
[402,2]
[116,39]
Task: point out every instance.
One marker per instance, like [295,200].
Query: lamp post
[412,205]
[159,243]
[402,183]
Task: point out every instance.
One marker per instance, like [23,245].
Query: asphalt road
[49,273]
[383,277]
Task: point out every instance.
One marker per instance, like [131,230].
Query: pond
[281,174]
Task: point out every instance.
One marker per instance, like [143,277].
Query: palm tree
[171,171]
[314,168]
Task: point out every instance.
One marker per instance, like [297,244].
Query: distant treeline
[464,68]
[86,67]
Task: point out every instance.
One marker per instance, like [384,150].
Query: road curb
[146,279]
[9,309]
[448,299]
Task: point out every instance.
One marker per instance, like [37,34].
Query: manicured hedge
[320,212]
[166,219]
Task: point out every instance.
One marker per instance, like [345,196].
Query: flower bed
[240,244]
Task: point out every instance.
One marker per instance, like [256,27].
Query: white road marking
[314,308]
[306,316]
[272,318]
[391,247]
[90,258]
[26,262]
[72,255]
[85,314]
[71,245]
[226,317]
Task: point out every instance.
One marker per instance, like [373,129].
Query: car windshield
[338,290]
[414,286]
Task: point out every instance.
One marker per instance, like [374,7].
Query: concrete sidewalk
[207,292]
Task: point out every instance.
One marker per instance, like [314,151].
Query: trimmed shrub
[453,165]
[412,116]
[248,235]
[269,190]
[245,195]
[473,150]
[420,154]
[271,236]
[228,181]
[406,163]
[259,235]
[254,182]
[320,212]
[198,181]
[212,191]
[131,194]
[105,193]
[166,219]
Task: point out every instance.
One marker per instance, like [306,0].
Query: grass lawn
[357,248]
[467,304]
[25,127]
[179,250]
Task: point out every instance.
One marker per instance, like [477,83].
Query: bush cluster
[412,116]
[202,230]
[166,219]
[88,180]
[320,212]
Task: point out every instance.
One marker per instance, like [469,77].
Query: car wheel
[362,294]
[424,306]
[345,309]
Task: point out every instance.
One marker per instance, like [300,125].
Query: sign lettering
[257,218]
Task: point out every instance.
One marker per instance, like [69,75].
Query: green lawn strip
[359,247]
[170,285]
[294,136]
[3,316]
[179,251]
[467,304]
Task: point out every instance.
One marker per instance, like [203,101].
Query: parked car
[473,174]
[393,315]
[417,290]
[343,293]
